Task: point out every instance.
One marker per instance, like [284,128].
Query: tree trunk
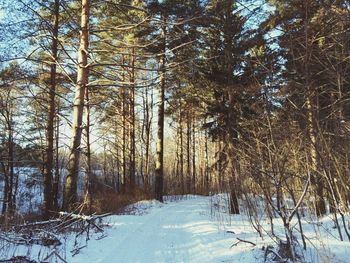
[57,164]
[5,191]
[50,130]
[124,130]
[70,187]
[160,132]
[188,177]
[11,197]
[89,174]
[316,181]
[147,127]
[193,156]
[132,124]
[181,150]
[206,162]
[232,134]
[8,199]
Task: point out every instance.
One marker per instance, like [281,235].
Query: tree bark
[160,132]
[317,183]
[206,187]
[90,180]
[57,163]
[147,127]
[8,197]
[50,130]
[124,135]
[5,191]
[132,124]
[232,135]
[193,156]
[181,150]
[11,197]
[188,150]
[70,187]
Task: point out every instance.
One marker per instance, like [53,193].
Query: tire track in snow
[169,234]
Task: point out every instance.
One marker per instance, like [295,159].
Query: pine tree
[230,83]
[70,187]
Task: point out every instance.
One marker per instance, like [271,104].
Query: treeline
[176,97]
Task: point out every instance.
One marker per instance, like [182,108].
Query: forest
[105,103]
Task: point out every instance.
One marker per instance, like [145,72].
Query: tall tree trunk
[132,124]
[50,130]
[177,162]
[104,165]
[11,196]
[90,180]
[232,135]
[317,183]
[70,187]
[124,131]
[57,164]
[193,156]
[6,187]
[188,149]
[117,152]
[8,200]
[316,180]
[206,161]
[147,128]
[160,132]
[181,150]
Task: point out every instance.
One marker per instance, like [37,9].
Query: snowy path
[167,235]
[176,232]
[185,231]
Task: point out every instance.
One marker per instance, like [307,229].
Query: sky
[66,128]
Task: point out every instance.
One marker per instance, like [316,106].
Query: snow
[180,231]
[194,229]
[30,188]
[29,195]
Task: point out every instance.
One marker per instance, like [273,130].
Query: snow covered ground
[178,231]
[30,188]
[191,230]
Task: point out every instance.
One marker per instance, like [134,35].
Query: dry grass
[112,202]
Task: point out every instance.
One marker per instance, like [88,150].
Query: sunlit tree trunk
[124,133]
[132,124]
[90,181]
[182,151]
[159,171]
[50,130]
[70,187]
[57,164]
[188,151]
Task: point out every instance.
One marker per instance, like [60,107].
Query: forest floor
[197,229]
[177,231]
[190,229]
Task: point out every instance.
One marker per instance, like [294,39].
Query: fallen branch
[54,253]
[18,259]
[244,241]
[269,250]
[40,223]
[48,240]
[76,251]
